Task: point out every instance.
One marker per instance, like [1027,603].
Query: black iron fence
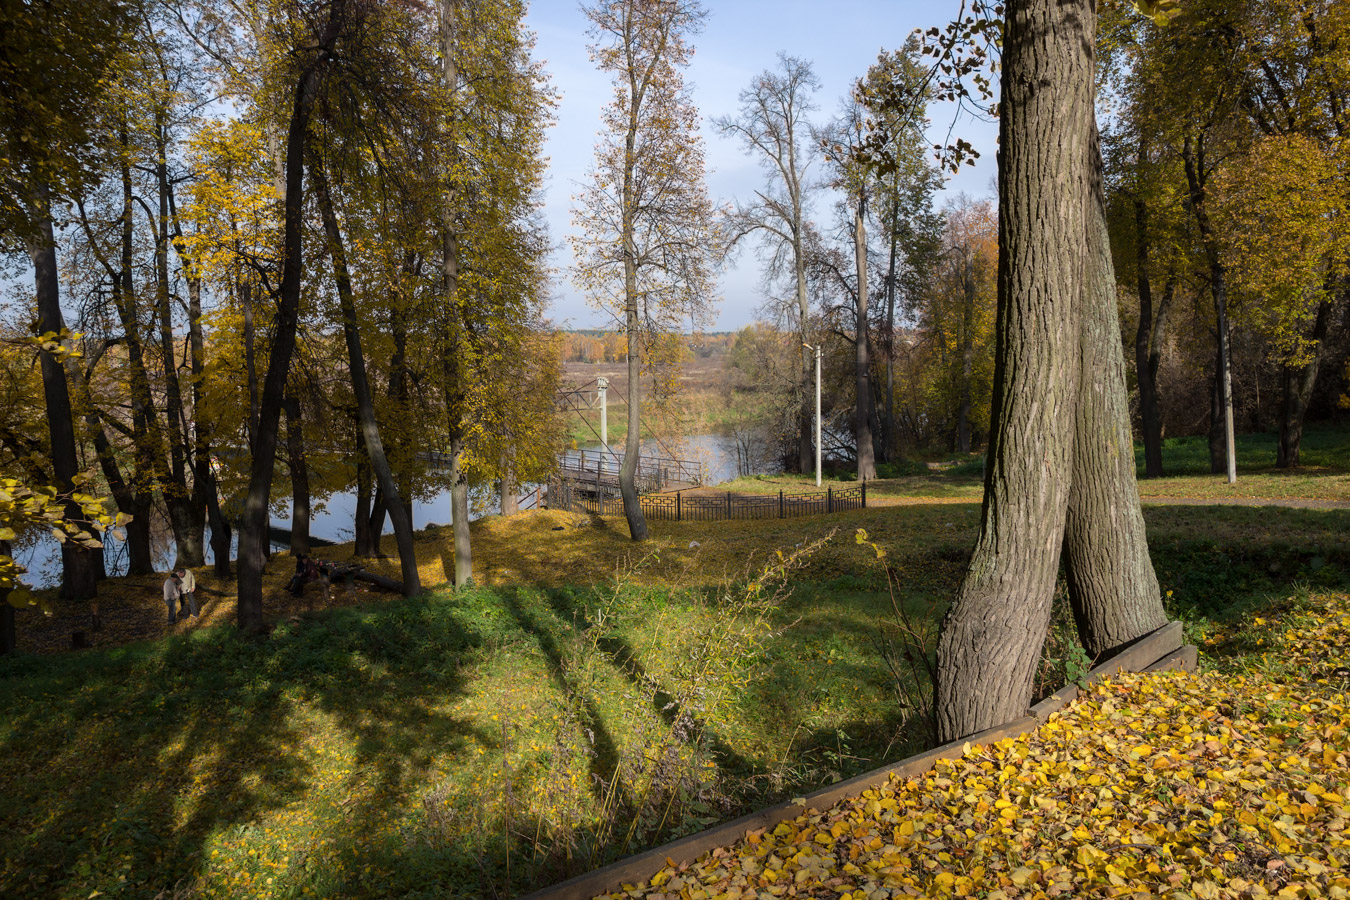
[605,500]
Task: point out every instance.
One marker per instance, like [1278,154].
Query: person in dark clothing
[297,583]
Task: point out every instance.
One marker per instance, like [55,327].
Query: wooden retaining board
[1157,651]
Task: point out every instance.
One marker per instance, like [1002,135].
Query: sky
[740,39]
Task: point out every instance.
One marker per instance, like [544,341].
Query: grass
[1324,474]
[472,743]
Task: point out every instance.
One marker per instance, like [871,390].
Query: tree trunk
[187,521]
[1112,586]
[253,523]
[888,428]
[510,492]
[992,635]
[362,524]
[79,568]
[1298,384]
[1221,432]
[459,513]
[377,517]
[250,358]
[139,559]
[806,445]
[365,404]
[8,633]
[1146,342]
[967,353]
[632,448]
[299,467]
[453,388]
[862,345]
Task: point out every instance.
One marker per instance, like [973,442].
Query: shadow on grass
[122,765]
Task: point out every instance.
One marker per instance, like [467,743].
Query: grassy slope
[366,751]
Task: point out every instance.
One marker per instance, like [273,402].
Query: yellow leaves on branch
[23,507]
[1153,786]
[1281,213]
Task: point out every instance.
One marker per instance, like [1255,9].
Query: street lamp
[817,349]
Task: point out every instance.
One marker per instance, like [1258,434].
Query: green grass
[1323,474]
[400,749]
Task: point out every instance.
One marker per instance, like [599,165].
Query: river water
[333,517]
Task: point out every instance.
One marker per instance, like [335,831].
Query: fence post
[780,504]
[864,493]
[829,499]
[728,506]
[677,505]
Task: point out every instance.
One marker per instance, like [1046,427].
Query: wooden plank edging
[1160,647]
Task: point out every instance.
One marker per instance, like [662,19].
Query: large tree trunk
[1298,384]
[365,403]
[253,524]
[992,635]
[1112,586]
[8,633]
[79,568]
[299,467]
[862,347]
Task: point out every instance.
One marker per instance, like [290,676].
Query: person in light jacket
[171,598]
[187,592]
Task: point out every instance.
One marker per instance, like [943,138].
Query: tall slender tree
[647,239]
[772,125]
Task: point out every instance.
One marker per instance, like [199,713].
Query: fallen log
[380,581]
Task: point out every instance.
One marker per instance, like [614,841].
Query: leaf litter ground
[1170,785]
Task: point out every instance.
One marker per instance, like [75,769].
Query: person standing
[171,598]
[187,592]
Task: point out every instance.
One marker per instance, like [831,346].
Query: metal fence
[605,500]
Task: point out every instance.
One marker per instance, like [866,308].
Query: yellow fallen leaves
[1153,786]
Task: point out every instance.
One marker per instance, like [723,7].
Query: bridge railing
[606,501]
[653,472]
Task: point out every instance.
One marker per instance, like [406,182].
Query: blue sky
[841,38]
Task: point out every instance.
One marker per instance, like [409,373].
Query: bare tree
[773,127]
[647,240]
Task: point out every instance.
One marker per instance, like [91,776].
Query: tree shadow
[130,761]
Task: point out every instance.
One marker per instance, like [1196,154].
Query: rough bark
[992,635]
[8,633]
[1297,387]
[459,512]
[79,568]
[1112,586]
[365,403]
[510,492]
[862,350]
[253,523]
[299,469]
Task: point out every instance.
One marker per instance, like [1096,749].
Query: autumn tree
[772,125]
[55,56]
[646,242]
[1060,470]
